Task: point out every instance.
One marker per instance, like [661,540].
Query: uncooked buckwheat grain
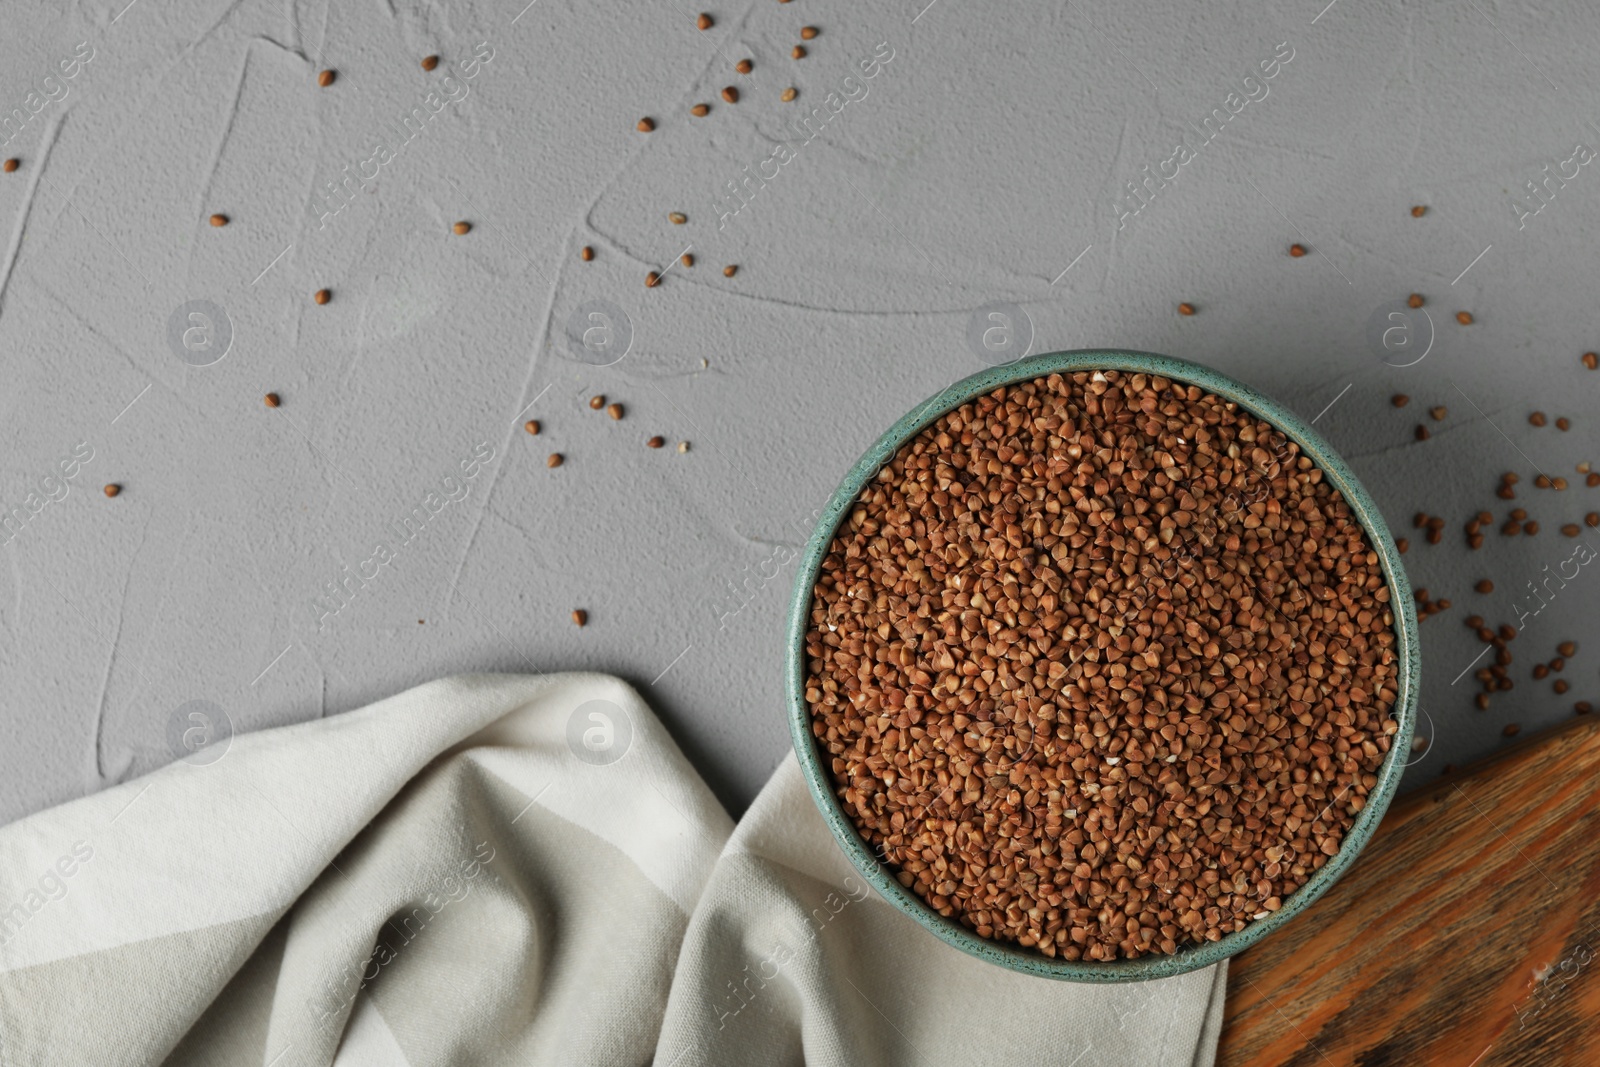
[1102,665]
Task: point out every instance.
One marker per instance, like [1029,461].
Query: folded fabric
[502,870]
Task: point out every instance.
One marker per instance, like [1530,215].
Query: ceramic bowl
[1026,960]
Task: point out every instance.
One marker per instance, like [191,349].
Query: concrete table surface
[949,176]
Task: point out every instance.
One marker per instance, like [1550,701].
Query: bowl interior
[1334,470]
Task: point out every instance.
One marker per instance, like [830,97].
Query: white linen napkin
[498,869]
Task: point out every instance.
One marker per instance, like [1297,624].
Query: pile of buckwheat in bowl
[1099,664]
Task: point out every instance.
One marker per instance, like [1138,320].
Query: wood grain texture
[1430,952]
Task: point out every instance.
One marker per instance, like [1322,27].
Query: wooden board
[1426,953]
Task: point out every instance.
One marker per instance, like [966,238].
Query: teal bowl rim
[1015,957]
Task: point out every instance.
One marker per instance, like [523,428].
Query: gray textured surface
[985,157]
